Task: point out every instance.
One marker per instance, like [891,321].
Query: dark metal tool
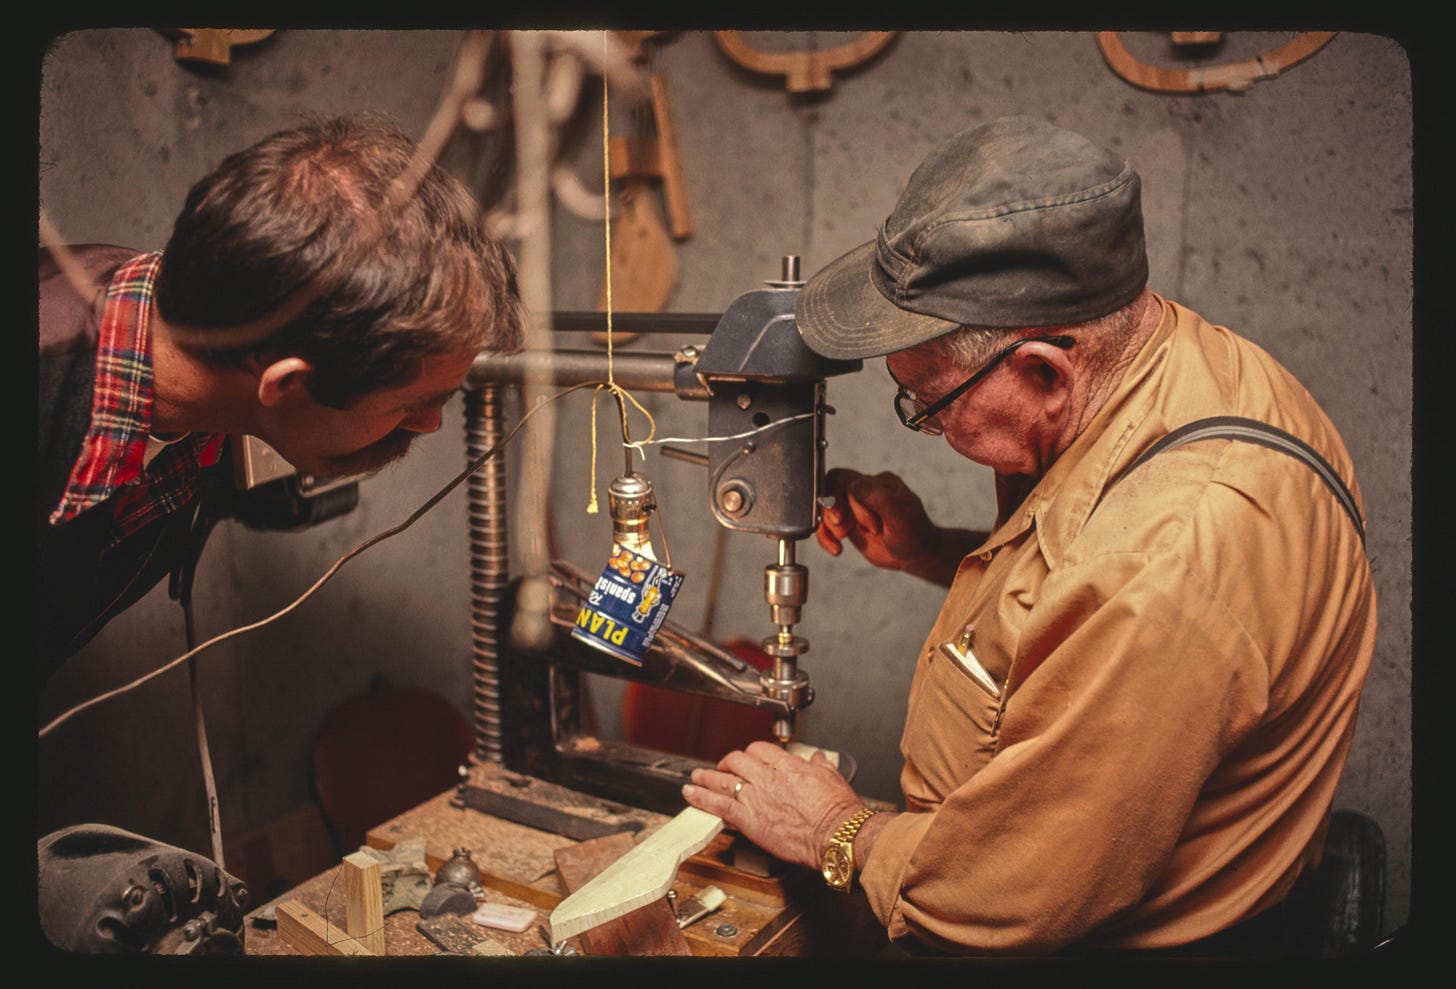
[535,815]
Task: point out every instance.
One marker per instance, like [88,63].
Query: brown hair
[332,242]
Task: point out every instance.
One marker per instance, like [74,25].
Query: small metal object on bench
[451,932]
[708,899]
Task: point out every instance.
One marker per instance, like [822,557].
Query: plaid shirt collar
[113,452]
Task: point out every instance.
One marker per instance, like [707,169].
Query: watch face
[837,867]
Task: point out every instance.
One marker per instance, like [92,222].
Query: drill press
[766,391]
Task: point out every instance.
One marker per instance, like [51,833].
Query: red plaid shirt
[109,469]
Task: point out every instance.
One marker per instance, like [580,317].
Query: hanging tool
[643,258]
[211,45]
[806,71]
[1234,77]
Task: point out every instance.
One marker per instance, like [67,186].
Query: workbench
[769,909]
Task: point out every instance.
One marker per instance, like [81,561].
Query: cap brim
[841,314]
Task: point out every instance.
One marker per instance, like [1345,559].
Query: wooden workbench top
[761,915]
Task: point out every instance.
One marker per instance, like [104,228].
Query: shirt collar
[1103,444]
[113,452]
[1075,483]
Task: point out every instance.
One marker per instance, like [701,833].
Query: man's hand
[787,806]
[886,521]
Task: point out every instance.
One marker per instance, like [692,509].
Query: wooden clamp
[806,71]
[1235,77]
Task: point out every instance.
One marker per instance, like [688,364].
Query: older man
[1126,726]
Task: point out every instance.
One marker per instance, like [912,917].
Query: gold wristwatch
[838,863]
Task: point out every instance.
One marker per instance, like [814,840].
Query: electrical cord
[414,517]
[430,503]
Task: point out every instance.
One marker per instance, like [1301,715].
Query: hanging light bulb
[630,600]
[629,501]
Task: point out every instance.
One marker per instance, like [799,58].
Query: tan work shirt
[1179,658]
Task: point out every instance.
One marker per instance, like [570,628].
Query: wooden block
[364,901]
[649,929]
[312,934]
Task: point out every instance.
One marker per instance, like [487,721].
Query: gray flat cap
[1012,223]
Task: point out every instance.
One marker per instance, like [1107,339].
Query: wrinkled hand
[880,517]
[787,806]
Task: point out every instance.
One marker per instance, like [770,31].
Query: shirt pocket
[951,724]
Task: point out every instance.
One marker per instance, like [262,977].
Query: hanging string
[621,395]
[607,226]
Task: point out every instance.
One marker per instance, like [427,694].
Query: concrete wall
[1285,212]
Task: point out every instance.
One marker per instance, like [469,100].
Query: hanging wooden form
[654,158]
[644,262]
[1234,77]
[643,259]
[806,71]
[212,45]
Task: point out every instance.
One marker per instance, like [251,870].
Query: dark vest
[82,585]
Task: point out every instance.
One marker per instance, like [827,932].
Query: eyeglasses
[919,416]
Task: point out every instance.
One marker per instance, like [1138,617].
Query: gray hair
[1102,340]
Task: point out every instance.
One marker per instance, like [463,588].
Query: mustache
[380,453]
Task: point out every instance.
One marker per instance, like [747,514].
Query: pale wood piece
[638,877]
[312,934]
[649,930]
[806,752]
[364,901]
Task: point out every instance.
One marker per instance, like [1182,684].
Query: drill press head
[767,387]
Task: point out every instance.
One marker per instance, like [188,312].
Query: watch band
[837,865]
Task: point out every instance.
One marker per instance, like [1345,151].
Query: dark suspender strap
[1254,431]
